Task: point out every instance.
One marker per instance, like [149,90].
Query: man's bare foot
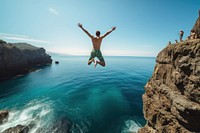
[90,61]
[95,63]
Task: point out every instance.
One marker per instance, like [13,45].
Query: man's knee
[89,62]
[103,64]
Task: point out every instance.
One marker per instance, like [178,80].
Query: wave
[40,117]
[131,126]
[32,113]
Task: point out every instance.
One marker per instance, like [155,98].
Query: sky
[143,27]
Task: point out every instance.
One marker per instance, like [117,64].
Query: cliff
[20,58]
[196,27]
[171,102]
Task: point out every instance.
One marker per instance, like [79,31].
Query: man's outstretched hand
[113,28]
[80,25]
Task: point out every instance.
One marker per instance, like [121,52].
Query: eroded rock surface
[3,115]
[171,102]
[17,129]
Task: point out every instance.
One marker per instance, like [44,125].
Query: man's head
[98,33]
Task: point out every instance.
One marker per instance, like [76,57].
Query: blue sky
[144,27]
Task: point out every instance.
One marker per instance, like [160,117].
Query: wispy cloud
[15,37]
[54,11]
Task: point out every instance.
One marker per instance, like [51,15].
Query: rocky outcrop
[171,102]
[17,129]
[3,115]
[196,27]
[20,58]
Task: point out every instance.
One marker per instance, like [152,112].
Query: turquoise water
[94,100]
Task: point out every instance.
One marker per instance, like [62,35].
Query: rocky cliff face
[171,103]
[196,27]
[172,97]
[20,58]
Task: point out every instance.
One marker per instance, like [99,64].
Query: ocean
[73,95]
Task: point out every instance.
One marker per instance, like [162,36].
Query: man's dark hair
[98,33]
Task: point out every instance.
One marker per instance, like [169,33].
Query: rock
[20,58]
[171,102]
[17,129]
[196,27]
[3,115]
[1,41]
[62,125]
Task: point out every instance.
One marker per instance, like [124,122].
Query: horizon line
[48,52]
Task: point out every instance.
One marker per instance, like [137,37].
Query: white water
[33,112]
[131,127]
[38,112]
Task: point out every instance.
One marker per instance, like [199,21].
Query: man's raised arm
[113,28]
[81,26]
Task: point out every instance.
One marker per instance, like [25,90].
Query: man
[181,35]
[96,41]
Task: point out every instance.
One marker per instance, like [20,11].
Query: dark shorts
[98,54]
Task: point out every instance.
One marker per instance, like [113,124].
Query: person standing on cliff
[192,34]
[96,41]
[181,35]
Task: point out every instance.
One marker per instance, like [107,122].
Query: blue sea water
[94,100]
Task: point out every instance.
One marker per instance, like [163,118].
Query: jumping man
[96,41]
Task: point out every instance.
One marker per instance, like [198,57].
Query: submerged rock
[3,115]
[20,58]
[62,125]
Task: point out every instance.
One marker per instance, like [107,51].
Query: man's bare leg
[90,61]
[100,63]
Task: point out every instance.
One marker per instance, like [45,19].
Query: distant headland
[20,58]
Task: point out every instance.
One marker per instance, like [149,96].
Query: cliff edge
[171,102]
[20,58]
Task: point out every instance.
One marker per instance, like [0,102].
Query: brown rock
[196,27]
[17,129]
[171,102]
[3,115]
